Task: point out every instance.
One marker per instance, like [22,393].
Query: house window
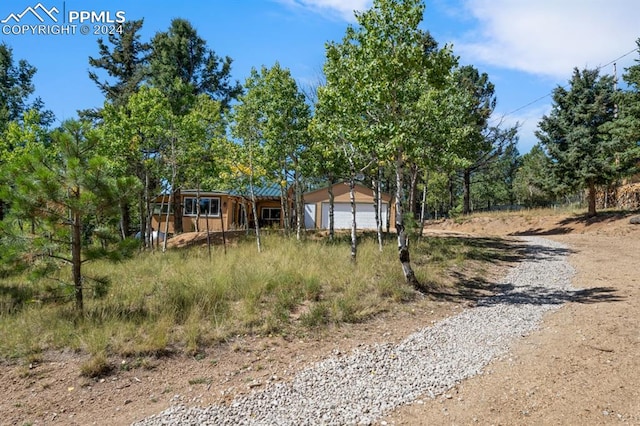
[208,206]
[165,208]
[270,214]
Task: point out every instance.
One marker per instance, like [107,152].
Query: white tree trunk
[377,205]
[331,207]
[253,202]
[299,207]
[352,197]
[403,246]
[423,207]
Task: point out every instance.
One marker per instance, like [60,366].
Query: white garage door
[365,216]
[309,216]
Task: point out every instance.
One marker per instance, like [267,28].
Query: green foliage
[377,105]
[126,62]
[379,80]
[272,122]
[272,117]
[483,150]
[203,149]
[534,184]
[182,67]
[494,183]
[60,192]
[412,225]
[16,89]
[146,139]
[134,137]
[171,132]
[573,134]
[626,128]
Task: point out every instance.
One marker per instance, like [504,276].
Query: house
[316,208]
[218,210]
[268,206]
[229,210]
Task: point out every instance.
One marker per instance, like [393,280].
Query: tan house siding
[226,210]
[318,200]
[229,213]
[270,213]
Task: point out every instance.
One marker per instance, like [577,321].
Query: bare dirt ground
[581,367]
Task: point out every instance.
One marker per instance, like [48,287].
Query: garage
[365,216]
[316,209]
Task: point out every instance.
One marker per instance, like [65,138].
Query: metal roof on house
[267,191]
[263,192]
[270,191]
[202,193]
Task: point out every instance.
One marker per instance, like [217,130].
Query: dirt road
[581,368]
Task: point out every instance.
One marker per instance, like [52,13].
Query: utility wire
[565,86]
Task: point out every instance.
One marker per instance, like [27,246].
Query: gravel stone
[360,387]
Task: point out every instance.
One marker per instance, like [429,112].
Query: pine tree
[126,62]
[182,67]
[626,126]
[584,155]
[60,191]
[16,90]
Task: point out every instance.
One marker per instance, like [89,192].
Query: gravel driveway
[362,386]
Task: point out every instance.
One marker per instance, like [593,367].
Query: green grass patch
[200,381]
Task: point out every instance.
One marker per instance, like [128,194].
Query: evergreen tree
[626,127]
[583,154]
[494,184]
[16,106]
[482,145]
[126,62]
[125,59]
[16,90]
[534,184]
[182,67]
[63,192]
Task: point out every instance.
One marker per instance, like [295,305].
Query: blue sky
[527,47]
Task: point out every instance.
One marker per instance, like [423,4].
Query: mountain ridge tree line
[395,110]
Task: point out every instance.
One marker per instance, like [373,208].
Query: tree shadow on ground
[478,290]
[433,249]
[536,295]
[569,224]
[493,250]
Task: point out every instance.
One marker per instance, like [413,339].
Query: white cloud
[342,9]
[550,37]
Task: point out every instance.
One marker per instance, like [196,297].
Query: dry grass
[184,301]
[530,213]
